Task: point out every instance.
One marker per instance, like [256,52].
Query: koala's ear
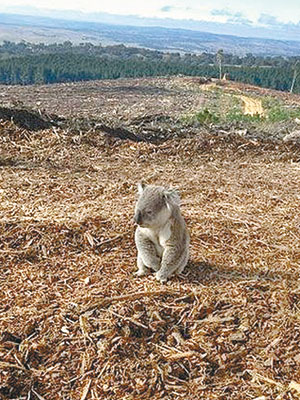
[141,187]
[171,197]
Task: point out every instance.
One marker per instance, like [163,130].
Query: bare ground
[122,99]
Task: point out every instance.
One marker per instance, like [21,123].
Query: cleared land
[76,324]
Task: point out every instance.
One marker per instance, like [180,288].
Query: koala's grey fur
[161,238]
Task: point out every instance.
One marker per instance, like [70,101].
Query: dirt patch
[252,106]
[27,119]
[118,99]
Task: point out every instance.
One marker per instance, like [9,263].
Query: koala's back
[179,231]
[180,240]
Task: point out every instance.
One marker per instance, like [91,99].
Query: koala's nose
[138,217]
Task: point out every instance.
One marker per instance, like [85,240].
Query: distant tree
[296,69]
[220,59]
[249,59]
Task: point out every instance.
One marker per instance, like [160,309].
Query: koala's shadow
[196,272]
[199,273]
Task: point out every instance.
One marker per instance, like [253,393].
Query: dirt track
[252,106]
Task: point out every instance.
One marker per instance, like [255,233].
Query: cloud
[270,20]
[167,8]
[231,17]
[225,12]
[239,20]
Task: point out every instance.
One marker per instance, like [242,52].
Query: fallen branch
[129,319]
[9,365]
[38,395]
[186,354]
[112,239]
[105,301]
[86,390]
[257,376]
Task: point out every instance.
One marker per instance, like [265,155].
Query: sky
[258,12]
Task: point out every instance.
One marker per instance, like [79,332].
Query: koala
[161,238]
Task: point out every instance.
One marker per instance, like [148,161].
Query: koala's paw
[156,267]
[140,272]
[180,270]
[161,277]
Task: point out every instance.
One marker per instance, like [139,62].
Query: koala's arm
[176,253]
[173,260]
[146,251]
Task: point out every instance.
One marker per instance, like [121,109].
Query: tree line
[24,63]
[11,49]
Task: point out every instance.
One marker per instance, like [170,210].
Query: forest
[26,63]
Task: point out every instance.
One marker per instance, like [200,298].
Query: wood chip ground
[75,322]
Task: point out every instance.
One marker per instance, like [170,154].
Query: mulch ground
[75,322]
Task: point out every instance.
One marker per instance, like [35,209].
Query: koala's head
[154,205]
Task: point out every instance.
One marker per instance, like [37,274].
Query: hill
[74,320]
[35,29]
